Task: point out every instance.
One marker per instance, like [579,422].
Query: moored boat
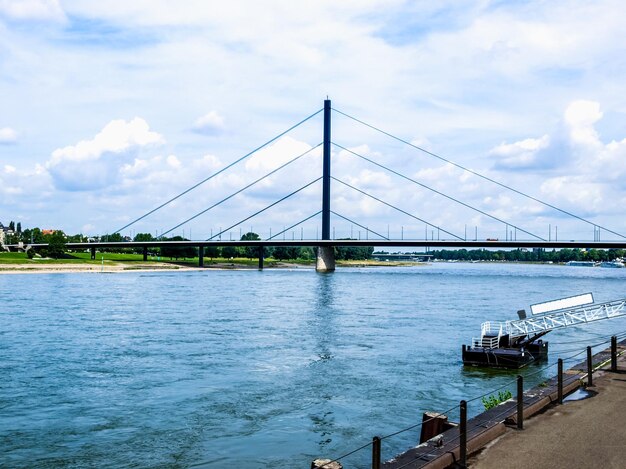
[516,343]
[581,263]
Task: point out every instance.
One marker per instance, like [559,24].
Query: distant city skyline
[110,108]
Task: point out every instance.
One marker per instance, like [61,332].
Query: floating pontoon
[514,344]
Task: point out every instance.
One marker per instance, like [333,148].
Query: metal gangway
[556,314]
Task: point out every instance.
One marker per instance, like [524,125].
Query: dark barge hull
[505,357]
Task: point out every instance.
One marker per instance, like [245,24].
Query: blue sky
[109,108]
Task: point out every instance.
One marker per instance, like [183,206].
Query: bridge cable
[293,226]
[241,190]
[264,209]
[438,192]
[219,172]
[476,173]
[395,208]
[360,226]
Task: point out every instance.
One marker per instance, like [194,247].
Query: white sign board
[563,303]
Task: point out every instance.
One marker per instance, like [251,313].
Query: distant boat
[613,265]
[581,263]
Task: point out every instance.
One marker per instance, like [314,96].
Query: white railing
[492,328]
[571,317]
[488,342]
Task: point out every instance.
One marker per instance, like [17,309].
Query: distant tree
[77,238]
[112,238]
[353,253]
[178,252]
[230,251]
[143,237]
[31,236]
[212,252]
[56,245]
[18,228]
[306,253]
[37,236]
[281,253]
[251,251]
[12,225]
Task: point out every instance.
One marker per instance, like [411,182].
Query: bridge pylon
[326,254]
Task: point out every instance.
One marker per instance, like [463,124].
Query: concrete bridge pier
[145,253]
[93,254]
[325,259]
[261,257]
[200,256]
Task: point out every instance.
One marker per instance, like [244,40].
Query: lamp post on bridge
[326,254]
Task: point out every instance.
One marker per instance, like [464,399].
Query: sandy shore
[120,267]
[95,268]
[116,267]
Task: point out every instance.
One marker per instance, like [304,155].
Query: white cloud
[96,163]
[209,124]
[521,154]
[590,180]
[277,154]
[580,118]
[173,162]
[46,10]
[585,195]
[7,135]
[30,186]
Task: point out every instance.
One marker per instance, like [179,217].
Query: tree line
[280,253]
[55,239]
[536,255]
[57,246]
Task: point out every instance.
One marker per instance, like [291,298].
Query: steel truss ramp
[566,318]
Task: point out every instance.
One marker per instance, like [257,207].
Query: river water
[253,369]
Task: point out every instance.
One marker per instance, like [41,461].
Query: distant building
[48,232]
[4,231]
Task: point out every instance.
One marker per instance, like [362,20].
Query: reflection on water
[323,330]
[256,369]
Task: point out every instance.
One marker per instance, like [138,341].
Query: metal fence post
[560,380]
[589,368]
[520,402]
[463,434]
[613,353]
[376,452]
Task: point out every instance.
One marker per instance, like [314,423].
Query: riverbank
[108,267]
[116,263]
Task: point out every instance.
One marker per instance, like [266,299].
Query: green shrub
[491,401]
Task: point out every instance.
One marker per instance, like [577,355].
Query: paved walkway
[578,434]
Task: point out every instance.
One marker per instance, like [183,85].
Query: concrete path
[590,433]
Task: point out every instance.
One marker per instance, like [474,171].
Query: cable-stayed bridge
[433,235]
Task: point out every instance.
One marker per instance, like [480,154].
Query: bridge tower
[326,254]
